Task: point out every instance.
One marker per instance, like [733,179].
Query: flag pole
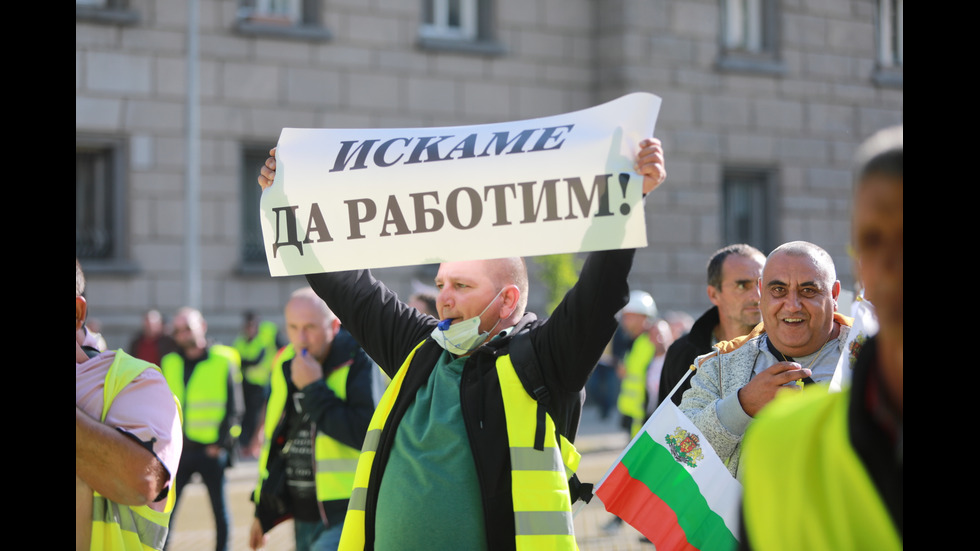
[691,370]
[652,415]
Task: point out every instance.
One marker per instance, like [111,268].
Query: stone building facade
[764,102]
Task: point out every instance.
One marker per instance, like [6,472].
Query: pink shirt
[144,409]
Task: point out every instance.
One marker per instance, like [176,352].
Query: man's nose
[301,341]
[444,300]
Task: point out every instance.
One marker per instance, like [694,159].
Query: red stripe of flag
[643,510]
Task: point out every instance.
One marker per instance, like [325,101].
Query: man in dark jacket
[733,276]
[324,389]
[459,454]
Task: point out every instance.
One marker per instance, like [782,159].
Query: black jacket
[682,352]
[343,420]
[567,347]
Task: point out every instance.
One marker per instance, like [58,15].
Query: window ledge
[888,77]
[252,268]
[743,62]
[117,267]
[108,16]
[476,47]
[277,29]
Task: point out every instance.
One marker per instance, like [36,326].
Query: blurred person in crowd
[152,343]
[205,378]
[733,289]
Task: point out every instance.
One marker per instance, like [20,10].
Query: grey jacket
[712,401]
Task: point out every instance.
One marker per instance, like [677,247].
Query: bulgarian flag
[672,487]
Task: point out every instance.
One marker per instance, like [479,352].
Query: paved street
[599,441]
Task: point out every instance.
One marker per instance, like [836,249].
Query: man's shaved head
[820,257]
[307,295]
[310,324]
[510,271]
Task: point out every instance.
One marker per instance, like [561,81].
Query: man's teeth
[793,320]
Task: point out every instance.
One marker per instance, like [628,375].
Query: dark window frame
[889,73]
[107,155]
[308,28]
[111,12]
[760,183]
[767,61]
[252,259]
[484,43]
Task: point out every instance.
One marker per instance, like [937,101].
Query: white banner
[372,198]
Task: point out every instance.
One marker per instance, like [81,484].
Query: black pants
[194,459]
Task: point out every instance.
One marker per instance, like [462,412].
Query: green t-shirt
[430,496]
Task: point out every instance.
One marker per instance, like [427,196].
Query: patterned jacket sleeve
[713,412]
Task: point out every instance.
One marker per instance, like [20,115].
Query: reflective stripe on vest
[116,526]
[204,399]
[539,482]
[539,478]
[633,392]
[810,429]
[352,536]
[335,461]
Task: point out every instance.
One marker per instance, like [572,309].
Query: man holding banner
[471,419]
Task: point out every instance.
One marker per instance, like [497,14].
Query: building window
[253,246]
[282,12]
[747,203]
[296,19]
[115,12]
[750,37]
[449,19]
[99,201]
[890,42]
[458,25]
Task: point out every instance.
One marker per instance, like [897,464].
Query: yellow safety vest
[205,396]
[125,527]
[258,372]
[834,492]
[539,478]
[335,462]
[633,391]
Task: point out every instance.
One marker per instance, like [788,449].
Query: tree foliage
[559,272]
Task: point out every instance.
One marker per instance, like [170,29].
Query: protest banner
[372,198]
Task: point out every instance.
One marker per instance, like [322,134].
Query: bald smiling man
[799,341]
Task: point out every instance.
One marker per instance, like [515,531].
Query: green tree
[559,272]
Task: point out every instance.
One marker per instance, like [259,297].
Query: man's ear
[335,325]
[713,295]
[835,292]
[511,296]
[81,311]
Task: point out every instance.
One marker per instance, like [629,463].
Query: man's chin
[751,321]
[791,346]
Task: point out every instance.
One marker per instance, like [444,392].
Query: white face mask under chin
[463,337]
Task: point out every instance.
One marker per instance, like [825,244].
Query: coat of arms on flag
[685,447]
